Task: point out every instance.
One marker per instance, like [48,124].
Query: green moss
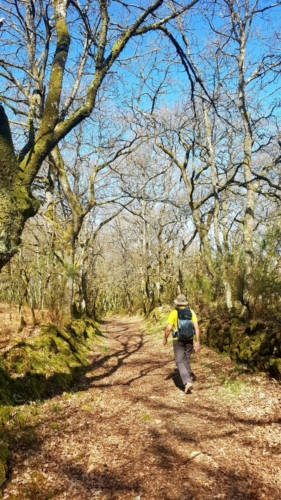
[254,350]
[105,348]
[235,386]
[2,473]
[45,363]
[251,344]
[5,387]
[86,407]
[55,408]
[4,456]
[218,336]
[92,329]
[275,368]
[28,438]
[4,451]
[146,417]
[37,488]
[52,353]
[78,326]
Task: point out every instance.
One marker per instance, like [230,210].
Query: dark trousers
[182,352]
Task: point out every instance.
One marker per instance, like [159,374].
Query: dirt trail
[129,432]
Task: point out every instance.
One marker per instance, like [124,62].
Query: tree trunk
[69,269]
[215,184]
[16,201]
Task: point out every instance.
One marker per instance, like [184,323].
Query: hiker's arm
[197,336]
[167,332]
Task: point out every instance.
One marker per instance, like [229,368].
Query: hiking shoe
[188,387]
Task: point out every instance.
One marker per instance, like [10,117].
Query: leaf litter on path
[128,431]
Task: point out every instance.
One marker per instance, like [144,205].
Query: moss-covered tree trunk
[16,201]
[248,230]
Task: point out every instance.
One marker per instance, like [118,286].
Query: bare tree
[52,87]
[87,183]
[231,80]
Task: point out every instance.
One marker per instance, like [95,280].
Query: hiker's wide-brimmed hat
[181,300]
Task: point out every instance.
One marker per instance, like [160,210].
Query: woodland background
[140,158]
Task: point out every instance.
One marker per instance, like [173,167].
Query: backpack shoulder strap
[177,309]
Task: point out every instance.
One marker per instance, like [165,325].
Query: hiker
[182,321]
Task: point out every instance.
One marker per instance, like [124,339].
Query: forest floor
[128,431]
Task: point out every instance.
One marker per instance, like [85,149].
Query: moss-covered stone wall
[257,344]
